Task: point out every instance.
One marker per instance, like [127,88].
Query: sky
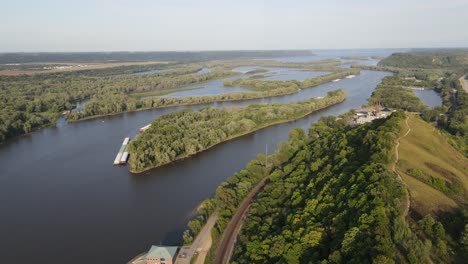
[183,25]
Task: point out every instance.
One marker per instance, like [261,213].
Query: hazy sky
[151,25]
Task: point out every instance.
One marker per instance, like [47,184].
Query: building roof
[162,252]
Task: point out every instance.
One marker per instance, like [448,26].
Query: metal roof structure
[157,252]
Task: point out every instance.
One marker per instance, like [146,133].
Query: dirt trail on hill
[397,157]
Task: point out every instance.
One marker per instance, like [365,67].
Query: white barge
[122,155]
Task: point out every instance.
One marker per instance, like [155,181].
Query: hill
[336,198]
[436,174]
[427,59]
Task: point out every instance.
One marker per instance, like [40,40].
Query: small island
[184,133]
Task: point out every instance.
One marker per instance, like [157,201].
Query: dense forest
[337,201]
[334,200]
[428,59]
[29,102]
[331,198]
[186,132]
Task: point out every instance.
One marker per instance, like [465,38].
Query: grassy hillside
[441,70]
[434,171]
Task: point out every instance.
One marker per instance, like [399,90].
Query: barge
[122,155]
[144,128]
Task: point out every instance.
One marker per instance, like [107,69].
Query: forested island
[260,89]
[30,102]
[181,134]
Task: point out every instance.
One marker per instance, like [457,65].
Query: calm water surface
[429,97]
[216,87]
[62,201]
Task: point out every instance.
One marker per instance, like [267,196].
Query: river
[63,201]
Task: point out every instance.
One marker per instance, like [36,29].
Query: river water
[62,201]
[217,87]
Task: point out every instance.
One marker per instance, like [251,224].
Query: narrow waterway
[63,201]
[216,87]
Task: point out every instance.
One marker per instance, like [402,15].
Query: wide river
[62,200]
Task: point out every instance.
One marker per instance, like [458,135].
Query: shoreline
[137,172]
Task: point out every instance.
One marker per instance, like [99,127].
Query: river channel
[62,200]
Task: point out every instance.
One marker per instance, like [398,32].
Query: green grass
[436,174]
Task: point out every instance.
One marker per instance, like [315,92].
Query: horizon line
[223,50]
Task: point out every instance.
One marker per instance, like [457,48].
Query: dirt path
[201,244]
[397,157]
[204,250]
[228,240]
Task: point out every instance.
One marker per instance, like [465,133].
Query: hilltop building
[366,115]
[157,255]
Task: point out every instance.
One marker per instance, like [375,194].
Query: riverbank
[339,98]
